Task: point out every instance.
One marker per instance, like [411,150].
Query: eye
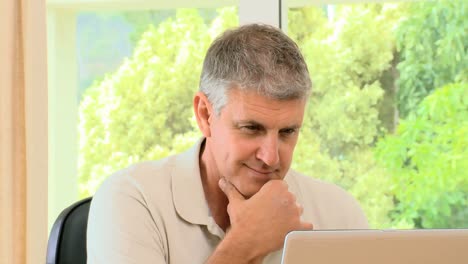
[250,128]
[288,131]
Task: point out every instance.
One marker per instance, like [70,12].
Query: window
[388,116]
[121,72]
[386,120]
[142,109]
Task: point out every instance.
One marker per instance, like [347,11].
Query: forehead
[251,106]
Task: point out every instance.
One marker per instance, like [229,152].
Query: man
[232,198]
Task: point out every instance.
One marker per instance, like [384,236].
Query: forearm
[234,250]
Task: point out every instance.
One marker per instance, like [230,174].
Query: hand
[263,221]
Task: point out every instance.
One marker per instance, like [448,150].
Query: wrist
[237,245]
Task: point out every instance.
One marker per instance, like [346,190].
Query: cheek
[286,155]
[244,149]
[227,149]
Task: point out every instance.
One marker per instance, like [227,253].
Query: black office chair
[67,240]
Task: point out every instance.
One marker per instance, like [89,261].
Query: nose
[268,151]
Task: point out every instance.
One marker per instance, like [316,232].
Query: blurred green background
[387,119]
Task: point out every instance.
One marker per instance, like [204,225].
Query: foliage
[433,44]
[140,20]
[415,178]
[143,111]
[427,160]
[342,122]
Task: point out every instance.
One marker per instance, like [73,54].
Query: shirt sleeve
[121,229]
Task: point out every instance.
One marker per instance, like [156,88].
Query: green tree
[140,20]
[354,64]
[427,160]
[143,111]
[346,64]
[433,44]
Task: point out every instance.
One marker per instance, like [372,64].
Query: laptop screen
[424,246]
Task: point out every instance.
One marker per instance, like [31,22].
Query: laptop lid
[423,246]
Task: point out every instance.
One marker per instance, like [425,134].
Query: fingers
[275,183]
[307,226]
[300,208]
[231,192]
[304,225]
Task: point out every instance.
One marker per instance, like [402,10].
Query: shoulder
[327,203]
[140,193]
[139,179]
[152,181]
[126,208]
[320,189]
[143,188]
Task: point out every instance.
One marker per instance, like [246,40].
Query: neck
[216,199]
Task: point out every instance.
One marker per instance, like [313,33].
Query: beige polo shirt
[155,212]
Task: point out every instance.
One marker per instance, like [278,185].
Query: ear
[203,111]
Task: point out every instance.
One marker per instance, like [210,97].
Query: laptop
[423,246]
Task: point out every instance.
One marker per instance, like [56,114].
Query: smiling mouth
[261,171]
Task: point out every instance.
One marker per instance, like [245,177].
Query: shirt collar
[187,189]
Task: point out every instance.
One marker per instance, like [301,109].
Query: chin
[250,182]
[250,190]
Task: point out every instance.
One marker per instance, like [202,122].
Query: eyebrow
[239,123]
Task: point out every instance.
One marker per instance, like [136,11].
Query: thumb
[230,191]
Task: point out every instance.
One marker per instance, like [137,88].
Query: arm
[231,251]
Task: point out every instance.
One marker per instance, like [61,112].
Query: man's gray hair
[254,57]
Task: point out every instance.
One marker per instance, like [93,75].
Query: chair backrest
[67,240]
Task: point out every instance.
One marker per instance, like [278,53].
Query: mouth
[262,174]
